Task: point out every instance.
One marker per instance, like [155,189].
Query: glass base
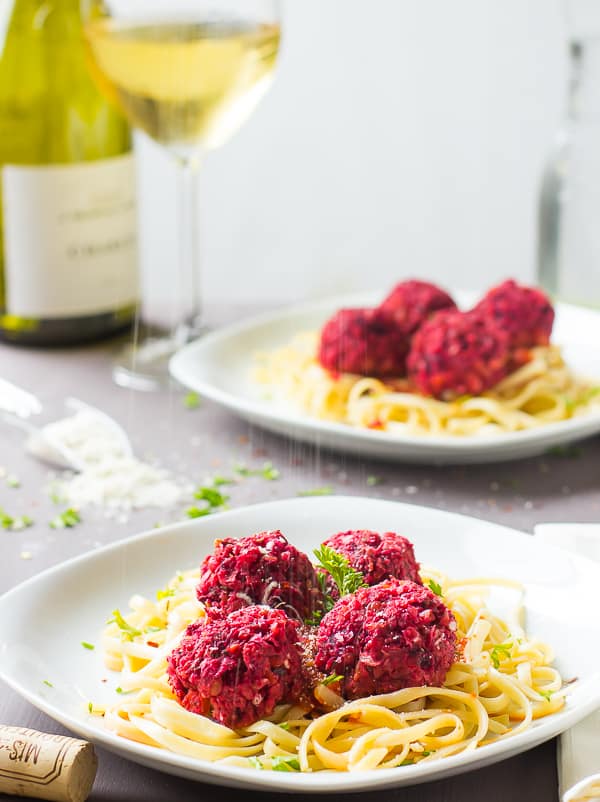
[144,364]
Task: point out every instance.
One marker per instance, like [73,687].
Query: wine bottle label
[70,243]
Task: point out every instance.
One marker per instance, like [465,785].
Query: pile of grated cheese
[110,476]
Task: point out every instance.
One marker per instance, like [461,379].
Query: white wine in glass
[188,73]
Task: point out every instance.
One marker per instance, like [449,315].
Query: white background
[401,138]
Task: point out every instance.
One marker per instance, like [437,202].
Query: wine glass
[188,73]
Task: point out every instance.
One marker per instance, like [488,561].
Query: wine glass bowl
[188,74]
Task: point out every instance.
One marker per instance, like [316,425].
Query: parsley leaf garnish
[127,631]
[343,574]
[254,761]
[284,763]
[331,679]
[502,651]
[546,694]
[48,683]
[435,587]
[87,645]
[66,519]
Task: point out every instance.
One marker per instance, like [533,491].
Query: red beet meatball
[376,556]
[383,638]
[259,569]
[524,313]
[237,669]
[457,353]
[413,302]
[363,341]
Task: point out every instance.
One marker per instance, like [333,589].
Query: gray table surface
[200,442]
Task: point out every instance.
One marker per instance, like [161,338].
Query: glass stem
[189,255]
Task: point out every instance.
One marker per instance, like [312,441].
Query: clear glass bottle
[68,223]
[569,213]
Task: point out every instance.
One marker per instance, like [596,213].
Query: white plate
[43,622]
[219,367]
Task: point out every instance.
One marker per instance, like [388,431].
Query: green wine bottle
[68,245]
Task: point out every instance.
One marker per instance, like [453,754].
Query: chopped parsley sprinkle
[268,471]
[567,452]
[90,707]
[219,481]
[285,763]
[198,512]
[87,645]
[373,480]
[127,631]
[13,481]
[48,683]
[546,694]
[331,679]
[212,496]
[435,587]
[345,577]
[285,725]
[14,523]
[255,762]
[66,520]
[326,490]
[191,400]
[502,651]
[164,594]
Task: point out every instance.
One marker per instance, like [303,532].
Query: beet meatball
[259,569]
[363,341]
[411,303]
[524,313]
[458,353]
[237,669]
[383,638]
[377,557]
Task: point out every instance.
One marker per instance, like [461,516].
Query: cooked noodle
[502,680]
[542,391]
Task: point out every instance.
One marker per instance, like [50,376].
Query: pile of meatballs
[259,647]
[418,333]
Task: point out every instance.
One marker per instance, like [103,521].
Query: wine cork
[44,766]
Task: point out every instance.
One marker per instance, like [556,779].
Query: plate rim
[445,446]
[321,782]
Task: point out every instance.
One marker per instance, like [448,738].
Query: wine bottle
[68,245]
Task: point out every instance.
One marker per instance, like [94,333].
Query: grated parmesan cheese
[110,475]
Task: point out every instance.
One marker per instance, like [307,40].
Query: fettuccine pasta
[502,680]
[542,391]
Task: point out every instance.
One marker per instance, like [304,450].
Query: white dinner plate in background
[219,366]
[44,621]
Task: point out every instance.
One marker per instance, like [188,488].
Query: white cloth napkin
[579,747]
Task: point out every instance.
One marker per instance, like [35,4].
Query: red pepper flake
[375,424]
[152,643]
